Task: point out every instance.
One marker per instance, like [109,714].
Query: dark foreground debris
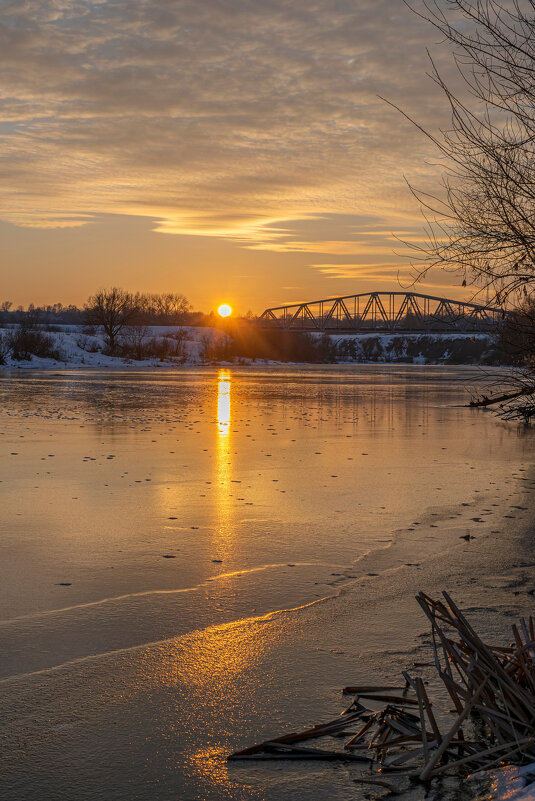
[492,689]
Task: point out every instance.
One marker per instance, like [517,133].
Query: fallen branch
[484,401]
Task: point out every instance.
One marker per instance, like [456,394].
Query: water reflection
[224,459]
[223,404]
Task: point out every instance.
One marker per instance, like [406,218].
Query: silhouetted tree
[112,310]
[172,306]
[517,335]
[482,223]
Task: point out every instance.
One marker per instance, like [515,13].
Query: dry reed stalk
[494,683]
[419,690]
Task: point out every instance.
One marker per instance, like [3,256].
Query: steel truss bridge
[403,312]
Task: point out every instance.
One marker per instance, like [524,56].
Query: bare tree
[112,310]
[482,221]
[517,335]
[171,305]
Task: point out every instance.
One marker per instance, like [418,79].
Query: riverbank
[170,346]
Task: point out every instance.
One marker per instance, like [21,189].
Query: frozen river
[192,559]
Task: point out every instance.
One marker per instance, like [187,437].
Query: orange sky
[232,151]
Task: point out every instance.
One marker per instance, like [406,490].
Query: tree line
[167,308]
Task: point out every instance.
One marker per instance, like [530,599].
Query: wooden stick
[410,682]
[277,750]
[418,686]
[478,754]
[430,715]
[405,758]
[428,769]
[395,699]
[358,690]
[484,401]
[378,782]
[359,735]
[325,755]
[295,737]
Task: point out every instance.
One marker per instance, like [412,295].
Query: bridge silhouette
[387,312]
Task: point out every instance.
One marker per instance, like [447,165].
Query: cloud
[225,118]
[370,277]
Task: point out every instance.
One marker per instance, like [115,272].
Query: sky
[232,150]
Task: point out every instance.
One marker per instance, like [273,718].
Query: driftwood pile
[492,690]
[516,398]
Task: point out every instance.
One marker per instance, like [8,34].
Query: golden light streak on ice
[223,446]
[223,404]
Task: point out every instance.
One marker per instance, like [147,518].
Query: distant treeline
[166,308]
[119,323]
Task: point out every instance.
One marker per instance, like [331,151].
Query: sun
[224,310]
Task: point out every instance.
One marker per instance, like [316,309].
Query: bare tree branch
[481,225]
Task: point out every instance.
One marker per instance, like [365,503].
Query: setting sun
[224,310]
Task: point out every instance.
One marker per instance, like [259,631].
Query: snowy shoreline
[199,346]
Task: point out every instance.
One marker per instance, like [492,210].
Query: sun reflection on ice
[223,404]
[213,669]
[224,460]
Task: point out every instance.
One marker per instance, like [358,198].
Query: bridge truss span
[402,312]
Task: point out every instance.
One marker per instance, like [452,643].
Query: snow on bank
[454,348]
[193,345]
[79,349]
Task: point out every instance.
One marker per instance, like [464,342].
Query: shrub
[178,335]
[136,343]
[466,351]
[216,349]
[347,349]
[397,347]
[372,349]
[25,341]
[88,344]
[133,341]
